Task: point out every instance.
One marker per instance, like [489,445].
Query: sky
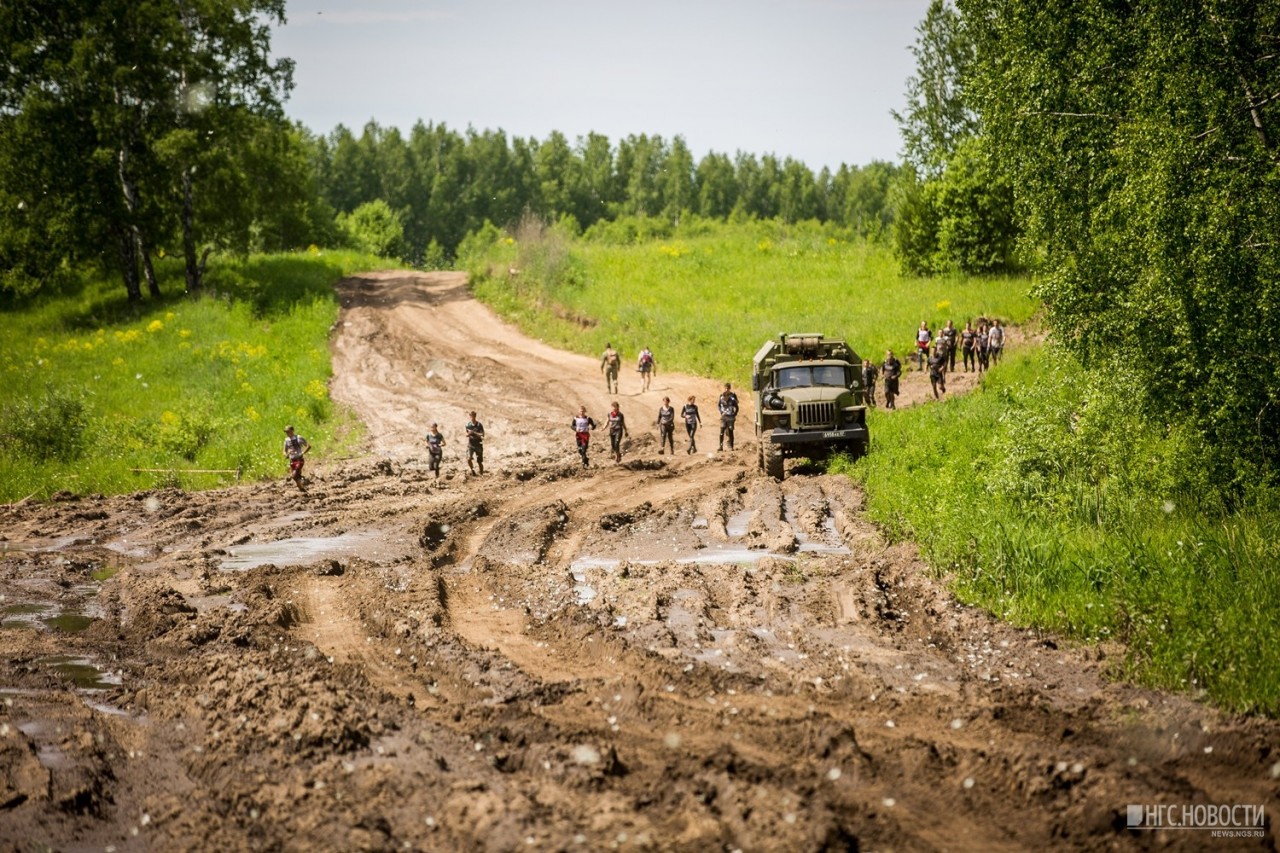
[813,80]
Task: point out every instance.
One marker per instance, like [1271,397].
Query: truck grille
[816,415]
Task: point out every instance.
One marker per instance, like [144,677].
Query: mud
[671,653]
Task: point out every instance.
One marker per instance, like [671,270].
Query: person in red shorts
[295,450]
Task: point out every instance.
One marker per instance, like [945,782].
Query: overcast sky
[809,79]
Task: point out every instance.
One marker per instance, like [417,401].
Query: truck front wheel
[771,461]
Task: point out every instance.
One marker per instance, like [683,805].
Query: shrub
[50,427]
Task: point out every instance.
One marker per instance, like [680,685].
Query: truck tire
[771,460]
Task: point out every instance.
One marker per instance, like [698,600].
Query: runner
[891,369]
[728,406]
[924,338]
[609,363]
[938,372]
[995,342]
[582,426]
[435,449]
[968,339]
[295,450]
[475,443]
[617,431]
[949,335]
[869,374]
[691,422]
[647,366]
[666,427]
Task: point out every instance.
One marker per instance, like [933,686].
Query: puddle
[9,547]
[583,592]
[123,548]
[300,550]
[68,622]
[737,526]
[24,615]
[81,671]
[808,545]
[47,751]
[735,554]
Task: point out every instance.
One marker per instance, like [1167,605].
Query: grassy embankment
[94,387]
[1044,502]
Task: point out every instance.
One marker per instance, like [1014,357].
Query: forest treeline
[438,184]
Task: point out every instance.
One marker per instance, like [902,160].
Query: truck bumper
[817,438]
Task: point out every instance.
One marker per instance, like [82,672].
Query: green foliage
[1141,141]
[939,116]
[47,428]
[373,228]
[955,207]
[94,385]
[974,200]
[128,127]
[1053,502]
[445,185]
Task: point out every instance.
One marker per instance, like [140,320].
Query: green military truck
[809,400]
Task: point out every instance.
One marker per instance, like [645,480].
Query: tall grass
[94,386]
[709,292]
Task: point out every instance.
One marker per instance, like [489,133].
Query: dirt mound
[671,653]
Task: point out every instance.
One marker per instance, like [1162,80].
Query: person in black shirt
[691,422]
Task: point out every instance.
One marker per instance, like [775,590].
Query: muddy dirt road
[671,653]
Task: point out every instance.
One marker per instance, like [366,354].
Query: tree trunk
[148,269]
[137,247]
[129,263]
[195,269]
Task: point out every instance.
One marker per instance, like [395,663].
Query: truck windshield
[803,376]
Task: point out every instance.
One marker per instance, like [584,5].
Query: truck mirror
[755,382]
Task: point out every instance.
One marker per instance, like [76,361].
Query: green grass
[706,300]
[94,386]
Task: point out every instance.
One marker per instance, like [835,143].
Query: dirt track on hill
[672,653]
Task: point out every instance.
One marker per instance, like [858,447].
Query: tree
[375,228]
[678,194]
[148,90]
[938,116]
[1142,141]
[717,186]
[597,190]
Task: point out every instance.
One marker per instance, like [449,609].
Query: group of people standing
[980,348]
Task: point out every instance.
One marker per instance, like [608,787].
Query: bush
[48,428]
[375,228]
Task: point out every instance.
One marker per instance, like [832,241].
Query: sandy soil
[671,653]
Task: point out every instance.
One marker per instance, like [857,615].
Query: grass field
[94,387]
